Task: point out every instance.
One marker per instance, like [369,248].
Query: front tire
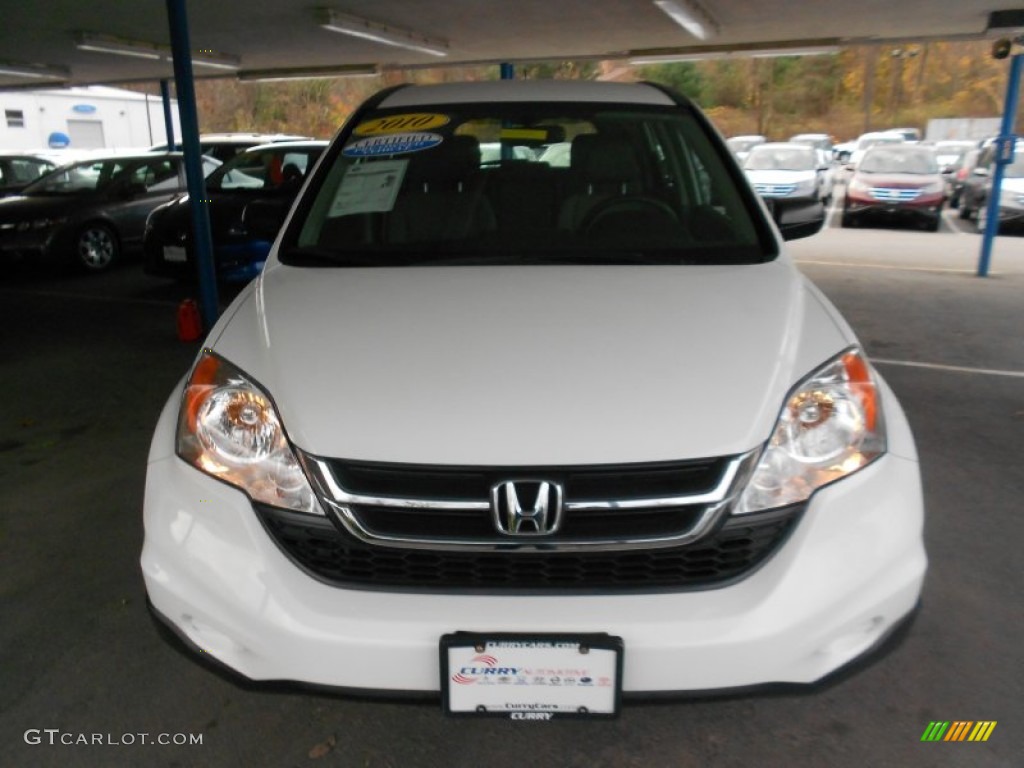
[96,247]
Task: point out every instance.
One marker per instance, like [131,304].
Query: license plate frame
[175,254]
[516,675]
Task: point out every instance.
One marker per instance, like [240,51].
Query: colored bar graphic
[935,731]
[958,730]
[982,730]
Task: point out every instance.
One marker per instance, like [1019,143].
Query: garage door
[86,134]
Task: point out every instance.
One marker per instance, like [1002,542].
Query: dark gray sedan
[90,213]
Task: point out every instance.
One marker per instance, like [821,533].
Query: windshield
[264,169]
[781,159]
[886,160]
[512,183]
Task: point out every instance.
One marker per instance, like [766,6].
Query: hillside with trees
[861,88]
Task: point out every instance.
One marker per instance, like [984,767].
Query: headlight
[46,223]
[806,186]
[229,429]
[856,185]
[830,426]
[935,188]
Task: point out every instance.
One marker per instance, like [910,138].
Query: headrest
[605,159]
[454,159]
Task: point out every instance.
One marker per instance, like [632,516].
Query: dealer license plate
[531,677]
[174,253]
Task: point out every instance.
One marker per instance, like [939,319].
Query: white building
[95,117]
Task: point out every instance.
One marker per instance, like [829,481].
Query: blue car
[269,175]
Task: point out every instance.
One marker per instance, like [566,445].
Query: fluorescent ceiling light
[308,73]
[215,60]
[769,53]
[744,51]
[32,72]
[88,41]
[380,33]
[689,15]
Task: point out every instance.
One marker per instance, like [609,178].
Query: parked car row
[91,213]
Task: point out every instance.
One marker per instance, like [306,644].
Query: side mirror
[800,220]
[263,218]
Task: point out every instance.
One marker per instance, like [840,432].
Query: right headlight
[830,427]
[229,428]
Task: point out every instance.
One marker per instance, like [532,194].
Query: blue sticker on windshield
[392,144]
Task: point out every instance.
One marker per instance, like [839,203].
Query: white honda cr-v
[531,437]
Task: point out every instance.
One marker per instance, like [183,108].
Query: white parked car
[871,139]
[531,437]
[790,173]
[741,145]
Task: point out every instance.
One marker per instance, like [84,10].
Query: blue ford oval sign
[58,140]
[84,109]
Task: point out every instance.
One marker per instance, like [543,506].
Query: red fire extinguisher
[190,323]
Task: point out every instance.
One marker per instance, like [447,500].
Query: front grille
[332,555]
[412,503]
[774,190]
[895,194]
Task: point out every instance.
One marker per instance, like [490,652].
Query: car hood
[21,207]
[898,180]
[1012,185]
[779,177]
[520,366]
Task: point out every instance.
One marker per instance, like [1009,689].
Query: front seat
[605,167]
[442,195]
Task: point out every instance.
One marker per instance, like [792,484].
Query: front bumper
[920,211]
[36,245]
[850,572]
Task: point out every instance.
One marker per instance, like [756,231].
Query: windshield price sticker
[531,678]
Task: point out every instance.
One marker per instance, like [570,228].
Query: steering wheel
[649,209]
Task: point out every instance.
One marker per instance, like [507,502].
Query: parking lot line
[952,368]
[883,266]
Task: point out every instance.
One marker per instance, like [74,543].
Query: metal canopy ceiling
[285,34]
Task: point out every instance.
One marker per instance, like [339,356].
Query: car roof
[783,145]
[527,90]
[285,145]
[242,138]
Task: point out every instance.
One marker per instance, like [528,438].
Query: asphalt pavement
[88,362]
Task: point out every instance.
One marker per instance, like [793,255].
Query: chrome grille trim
[716,503]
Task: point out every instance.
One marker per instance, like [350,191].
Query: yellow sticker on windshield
[527,134]
[417,121]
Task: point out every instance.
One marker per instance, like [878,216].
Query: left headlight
[830,427]
[229,429]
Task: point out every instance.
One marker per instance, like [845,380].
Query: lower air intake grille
[333,556]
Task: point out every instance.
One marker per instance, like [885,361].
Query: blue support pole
[1004,156]
[202,242]
[165,94]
